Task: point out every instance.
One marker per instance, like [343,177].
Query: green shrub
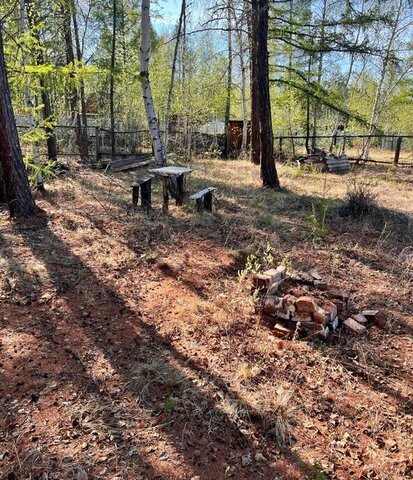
[318,220]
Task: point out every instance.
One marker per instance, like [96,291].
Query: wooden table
[166,173]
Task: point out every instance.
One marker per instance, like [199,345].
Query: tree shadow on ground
[112,333]
[115,331]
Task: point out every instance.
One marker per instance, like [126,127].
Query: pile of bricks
[297,303]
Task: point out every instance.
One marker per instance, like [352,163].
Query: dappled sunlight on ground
[131,349]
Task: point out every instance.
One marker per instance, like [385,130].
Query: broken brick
[285,315]
[302,317]
[320,284]
[375,316]
[360,318]
[339,294]
[281,331]
[321,317]
[330,308]
[272,304]
[275,287]
[316,275]
[354,326]
[275,274]
[305,305]
[261,281]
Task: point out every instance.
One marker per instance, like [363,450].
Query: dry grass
[279,416]
[151,308]
[148,378]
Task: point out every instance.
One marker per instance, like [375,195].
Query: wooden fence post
[398,149]
[343,151]
[97,144]
[281,145]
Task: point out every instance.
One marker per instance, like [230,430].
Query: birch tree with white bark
[158,146]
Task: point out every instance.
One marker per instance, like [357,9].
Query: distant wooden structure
[235,128]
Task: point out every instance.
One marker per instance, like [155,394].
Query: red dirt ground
[130,349]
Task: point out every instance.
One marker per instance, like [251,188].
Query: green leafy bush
[318,220]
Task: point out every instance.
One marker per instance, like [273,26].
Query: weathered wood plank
[202,193]
[130,163]
[171,171]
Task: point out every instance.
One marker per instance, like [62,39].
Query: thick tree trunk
[268,170]
[255,107]
[229,81]
[158,146]
[18,194]
[173,70]
[3,198]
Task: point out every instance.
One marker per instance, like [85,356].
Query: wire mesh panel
[126,143]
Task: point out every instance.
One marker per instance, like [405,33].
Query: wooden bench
[203,199]
[145,185]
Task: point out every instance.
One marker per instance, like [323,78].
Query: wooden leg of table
[208,201]
[180,189]
[200,204]
[165,183]
[146,195]
[135,195]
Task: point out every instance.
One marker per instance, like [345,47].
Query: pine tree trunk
[255,107]
[112,81]
[158,146]
[84,140]
[70,62]
[27,93]
[319,74]
[229,82]
[268,170]
[243,67]
[18,194]
[307,112]
[173,70]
